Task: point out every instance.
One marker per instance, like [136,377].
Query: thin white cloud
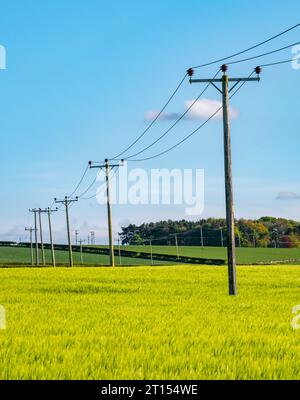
[151,115]
[202,109]
[287,196]
[205,108]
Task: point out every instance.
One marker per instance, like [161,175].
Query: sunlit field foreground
[149,323]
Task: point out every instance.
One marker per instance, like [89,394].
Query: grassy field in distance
[11,255]
[245,255]
[149,323]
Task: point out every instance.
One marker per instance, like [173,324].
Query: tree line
[263,232]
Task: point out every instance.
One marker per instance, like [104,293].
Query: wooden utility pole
[35,211]
[110,234]
[67,201]
[151,252]
[76,237]
[107,167]
[31,244]
[48,211]
[41,237]
[227,163]
[176,244]
[119,246]
[81,255]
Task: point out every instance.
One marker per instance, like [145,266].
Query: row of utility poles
[90,238]
[231,256]
[66,202]
[38,215]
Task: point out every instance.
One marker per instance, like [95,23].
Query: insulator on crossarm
[190,72]
[258,70]
[224,68]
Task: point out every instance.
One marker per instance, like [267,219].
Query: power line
[191,134]
[111,176]
[174,124]
[249,48]
[152,122]
[280,62]
[264,54]
[89,198]
[88,188]
[80,181]
[180,142]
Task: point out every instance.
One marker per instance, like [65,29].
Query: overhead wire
[192,133]
[88,188]
[182,116]
[279,62]
[152,122]
[249,48]
[103,187]
[204,65]
[175,123]
[80,181]
[264,54]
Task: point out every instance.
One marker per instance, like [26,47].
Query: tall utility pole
[227,163]
[151,251]
[35,211]
[176,244]
[41,237]
[48,211]
[107,167]
[81,256]
[76,237]
[119,247]
[66,202]
[31,245]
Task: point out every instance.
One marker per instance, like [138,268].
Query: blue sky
[81,76]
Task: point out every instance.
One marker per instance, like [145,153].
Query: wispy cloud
[151,115]
[287,196]
[202,109]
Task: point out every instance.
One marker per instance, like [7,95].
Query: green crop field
[149,323]
[16,255]
[245,255]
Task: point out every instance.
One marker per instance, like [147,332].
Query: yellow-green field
[149,323]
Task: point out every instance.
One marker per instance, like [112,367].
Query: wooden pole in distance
[229,191]
[110,234]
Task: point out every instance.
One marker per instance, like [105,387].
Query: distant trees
[264,232]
